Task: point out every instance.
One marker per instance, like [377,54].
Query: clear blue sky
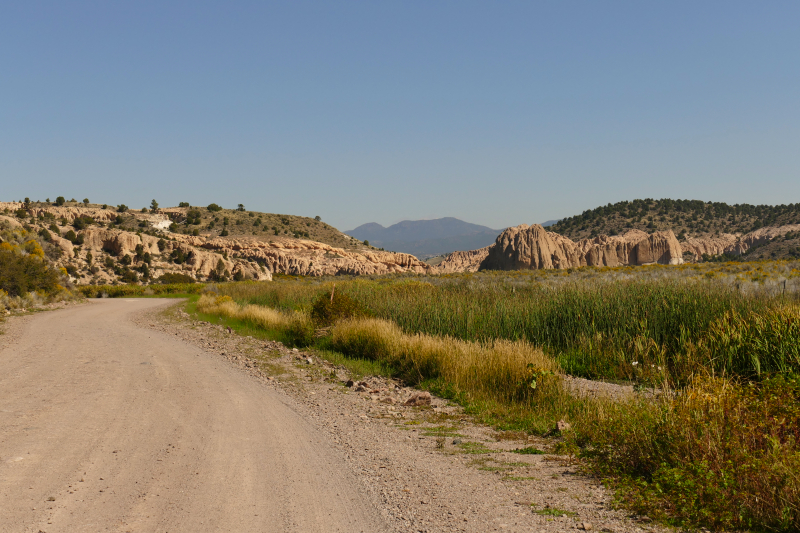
[499,113]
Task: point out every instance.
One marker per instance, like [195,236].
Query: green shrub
[121,208]
[178,256]
[183,204]
[128,275]
[326,310]
[722,454]
[214,208]
[21,274]
[174,277]
[60,201]
[80,223]
[193,217]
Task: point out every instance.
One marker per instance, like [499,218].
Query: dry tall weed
[296,326]
[499,369]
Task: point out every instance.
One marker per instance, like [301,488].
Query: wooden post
[333,289]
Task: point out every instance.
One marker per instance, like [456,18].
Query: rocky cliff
[102,253]
[737,244]
[469,261]
[309,258]
[67,213]
[532,247]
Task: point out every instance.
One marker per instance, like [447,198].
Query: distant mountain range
[426,238]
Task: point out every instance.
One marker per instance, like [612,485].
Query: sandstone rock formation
[731,244]
[469,261]
[310,258]
[10,221]
[68,213]
[254,258]
[724,243]
[199,263]
[529,248]
[532,247]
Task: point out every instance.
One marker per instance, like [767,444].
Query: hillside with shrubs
[688,219]
[27,275]
[102,244]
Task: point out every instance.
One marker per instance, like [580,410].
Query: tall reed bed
[722,452]
[506,371]
[646,330]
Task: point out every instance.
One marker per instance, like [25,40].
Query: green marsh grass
[720,449]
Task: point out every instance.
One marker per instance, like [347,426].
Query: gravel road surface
[107,426]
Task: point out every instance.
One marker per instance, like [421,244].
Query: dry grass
[499,369]
[294,326]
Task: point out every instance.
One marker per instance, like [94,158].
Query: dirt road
[105,426]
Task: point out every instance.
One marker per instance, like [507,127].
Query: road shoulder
[428,468]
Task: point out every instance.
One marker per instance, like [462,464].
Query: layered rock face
[528,248]
[199,263]
[469,261]
[254,258]
[68,213]
[532,247]
[310,258]
[738,244]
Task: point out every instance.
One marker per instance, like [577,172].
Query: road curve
[106,426]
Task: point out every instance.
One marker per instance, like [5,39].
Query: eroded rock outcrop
[532,247]
[311,258]
[68,213]
[118,242]
[724,243]
[12,222]
[469,261]
[197,262]
[737,244]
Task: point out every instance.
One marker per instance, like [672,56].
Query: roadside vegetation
[130,290]
[718,447]
[27,278]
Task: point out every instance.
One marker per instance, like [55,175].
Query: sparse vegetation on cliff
[686,218]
